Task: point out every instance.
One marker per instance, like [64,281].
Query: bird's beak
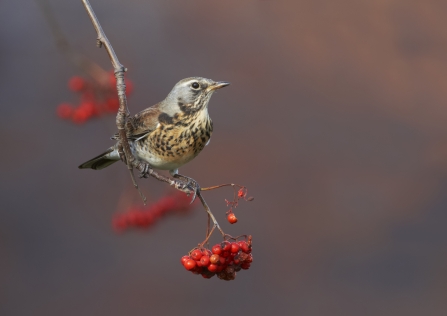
[218,85]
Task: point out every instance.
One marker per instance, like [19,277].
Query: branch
[123,113]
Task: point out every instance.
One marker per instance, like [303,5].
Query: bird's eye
[195,85]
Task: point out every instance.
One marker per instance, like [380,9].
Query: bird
[170,133]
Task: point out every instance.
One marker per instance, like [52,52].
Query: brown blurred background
[335,120]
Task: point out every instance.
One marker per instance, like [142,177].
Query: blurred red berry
[88,108]
[79,116]
[240,193]
[119,223]
[129,87]
[189,264]
[232,218]
[76,83]
[112,104]
[64,110]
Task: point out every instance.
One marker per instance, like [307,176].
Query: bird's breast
[170,146]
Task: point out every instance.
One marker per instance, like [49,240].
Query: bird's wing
[142,123]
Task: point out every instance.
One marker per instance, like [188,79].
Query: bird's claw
[191,184]
[196,190]
[145,171]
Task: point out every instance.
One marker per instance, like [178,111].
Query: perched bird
[171,133]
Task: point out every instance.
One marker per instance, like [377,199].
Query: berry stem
[221,186]
[210,214]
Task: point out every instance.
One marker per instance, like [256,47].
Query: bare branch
[123,113]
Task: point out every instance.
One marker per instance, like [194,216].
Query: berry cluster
[223,260]
[137,217]
[96,100]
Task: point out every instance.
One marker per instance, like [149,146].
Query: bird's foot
[145,170]
[191,183]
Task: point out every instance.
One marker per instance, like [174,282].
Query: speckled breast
[173,145]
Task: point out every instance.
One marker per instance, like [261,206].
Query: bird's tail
[102,161]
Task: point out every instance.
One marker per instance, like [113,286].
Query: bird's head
[191,94]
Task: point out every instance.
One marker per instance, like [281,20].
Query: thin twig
[207,209]
[221,186]
[78,60]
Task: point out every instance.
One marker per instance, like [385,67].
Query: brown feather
[142,123]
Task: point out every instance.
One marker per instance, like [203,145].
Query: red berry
[112,104]
[249,259]
[112,79]
[79,116]
[207,275]
[119,223]
[212,267]
[235,247]
[240,193]
[184,259]
[205,261]
[232,218]
[245,266]
[207,252]
[244,246]
[190,264]
[76,83]
[222,261]
[217,249]
[214,259]
[226,246]
[129,87]
[196,270]
[225,254]
[64,110]
[196,254]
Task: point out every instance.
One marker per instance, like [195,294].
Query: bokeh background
[335,120]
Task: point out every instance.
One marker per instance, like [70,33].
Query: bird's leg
[189,182]
[121,153]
